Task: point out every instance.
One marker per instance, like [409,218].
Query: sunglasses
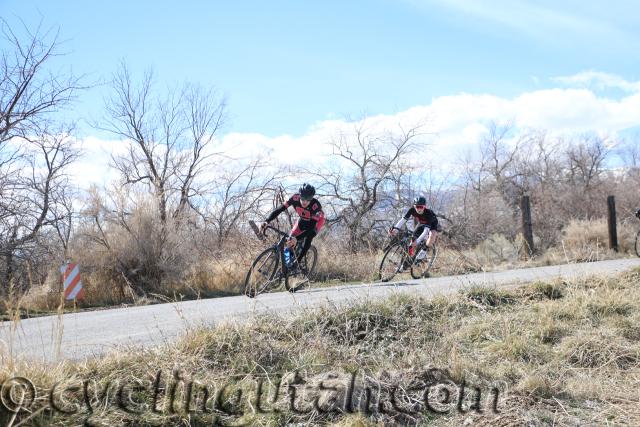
[306,200]
[420,206]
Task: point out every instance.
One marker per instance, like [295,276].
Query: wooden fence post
[613,232]
[527,228]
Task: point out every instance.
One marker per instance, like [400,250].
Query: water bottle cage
[288,257]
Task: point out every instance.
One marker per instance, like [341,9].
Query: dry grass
[581,241]
[224,274]
[586,237]
[563,353]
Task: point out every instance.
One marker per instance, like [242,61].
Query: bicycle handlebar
[282,233]
[260,233]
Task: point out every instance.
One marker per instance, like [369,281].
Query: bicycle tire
[390,257]
[251,290]
[311,269]
[638,243]
[298,280]
[421,268]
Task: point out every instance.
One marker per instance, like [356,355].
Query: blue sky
[292,70]
[286,65]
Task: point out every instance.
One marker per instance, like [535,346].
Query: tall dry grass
[589,240]
[220,271]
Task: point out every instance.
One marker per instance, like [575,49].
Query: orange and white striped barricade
[71,280]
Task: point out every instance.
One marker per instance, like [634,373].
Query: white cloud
[456,121]
[599,80]
[93,168]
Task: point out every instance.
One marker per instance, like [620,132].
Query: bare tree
[29,92]
[35,154]
[167,176]
[34,194]
[491,182]
[500,159]
[585,161]
[171,139]
[366,160]
[629,152]
[238,192]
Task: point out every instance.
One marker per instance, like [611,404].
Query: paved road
[86,334]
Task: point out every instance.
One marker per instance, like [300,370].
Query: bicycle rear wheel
[421,267]
[262,274]
[310,260]
[392,261]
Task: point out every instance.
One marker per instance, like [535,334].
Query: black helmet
[307,191]
[420,200]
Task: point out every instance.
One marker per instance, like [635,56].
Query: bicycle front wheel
[392,261]
[421,267]
[638,244]
[262,274]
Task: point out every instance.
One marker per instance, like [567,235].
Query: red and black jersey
[312,212]
[428,217]
[310,217]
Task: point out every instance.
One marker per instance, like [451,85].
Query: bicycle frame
[280,247]
[403,240]
[406,238]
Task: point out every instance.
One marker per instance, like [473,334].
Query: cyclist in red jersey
[310,217]
[427,223]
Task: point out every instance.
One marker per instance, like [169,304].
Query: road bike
[397,259]
[271,266]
